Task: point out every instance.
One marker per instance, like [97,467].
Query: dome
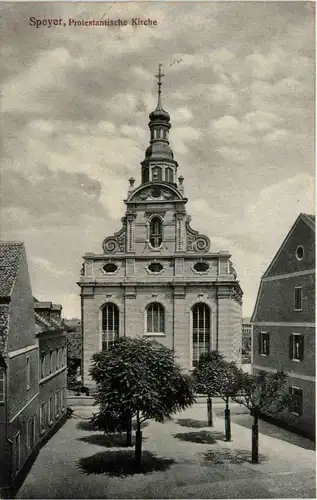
[159,114]
[159,149]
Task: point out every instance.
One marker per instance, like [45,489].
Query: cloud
[75,126]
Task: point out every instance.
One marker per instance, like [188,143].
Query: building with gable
[32,369]
[284,322]
[157,276]
[51,335]
[19,367]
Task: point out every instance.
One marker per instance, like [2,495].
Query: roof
[309,219]
[4,325]
[10,257]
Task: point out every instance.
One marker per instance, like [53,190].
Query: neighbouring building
[32,369]
[284,322]
[74,351]
[246,340]
[51,336]
[19,368]
[157,276]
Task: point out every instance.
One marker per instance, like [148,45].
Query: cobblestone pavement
[183,459]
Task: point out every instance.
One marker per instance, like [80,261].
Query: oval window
[299,252]
[201,267]
[110,268]
[155,267]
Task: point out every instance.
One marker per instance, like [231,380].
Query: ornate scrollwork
[196,242]
[110,245]
[117,242]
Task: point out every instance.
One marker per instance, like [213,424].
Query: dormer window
[156,235]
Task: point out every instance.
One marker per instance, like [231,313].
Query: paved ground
[184,459]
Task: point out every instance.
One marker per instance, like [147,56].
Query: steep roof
[10,257]
[4,325]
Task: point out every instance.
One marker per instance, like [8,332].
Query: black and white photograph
[157,253]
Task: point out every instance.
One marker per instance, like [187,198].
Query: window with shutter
[264,343]
[296,405]
[296,347]
[298,298]
[2,385]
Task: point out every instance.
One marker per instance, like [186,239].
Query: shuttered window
[2,385]
[264,343]
[298,298]
[296,405]
[296,347]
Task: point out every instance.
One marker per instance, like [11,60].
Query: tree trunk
[138,443]
[129,428]
[255,438]
[209,411]
[227,422]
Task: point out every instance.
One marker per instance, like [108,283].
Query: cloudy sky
[239,86]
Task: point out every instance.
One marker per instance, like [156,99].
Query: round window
[201,267]
[155,267]
[299,252]
[110,268]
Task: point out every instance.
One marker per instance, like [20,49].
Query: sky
[239,87]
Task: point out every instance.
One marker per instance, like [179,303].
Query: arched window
[201,331]
[157,173]
[110,325]
[164,134]
[169,174]
[156,232]
[155,318]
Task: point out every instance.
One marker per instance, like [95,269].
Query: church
[157,276]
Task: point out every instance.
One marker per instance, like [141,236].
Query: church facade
[157,276]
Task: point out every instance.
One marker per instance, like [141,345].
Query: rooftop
[10,256]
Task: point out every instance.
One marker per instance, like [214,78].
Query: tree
[262,392]
[138,378]
[216,377]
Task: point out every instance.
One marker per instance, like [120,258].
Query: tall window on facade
[2,385]
[157,173]
[17,453]
[298,298]
[169,174]
[201,331]
[155,318]
[156,235]
[264,343]
[28,373]
[296,347]
[43,416]
[296,404]
[110,325]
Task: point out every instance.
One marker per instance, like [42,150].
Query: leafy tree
[262,392]
[138,378]
[217,377]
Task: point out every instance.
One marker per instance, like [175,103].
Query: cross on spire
[159,77]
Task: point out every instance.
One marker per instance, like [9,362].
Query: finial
[159,77]
[131,185]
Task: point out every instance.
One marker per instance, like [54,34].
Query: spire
[159,149]
[159,113]
[159,77]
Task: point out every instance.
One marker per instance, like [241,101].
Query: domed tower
[159,163]
[158,277]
